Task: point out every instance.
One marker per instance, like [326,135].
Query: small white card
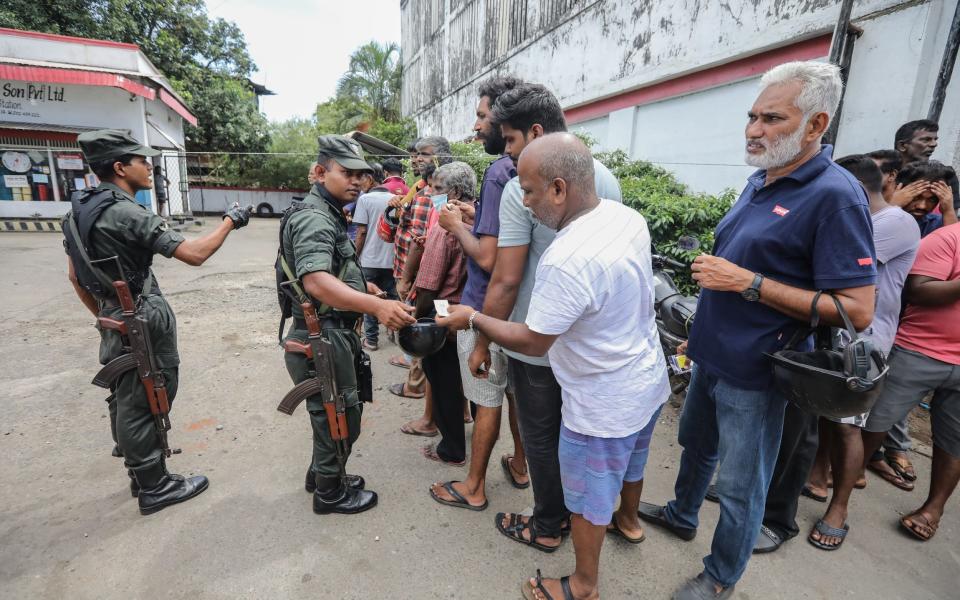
[443,308]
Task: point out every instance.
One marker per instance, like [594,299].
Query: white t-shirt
[594,289]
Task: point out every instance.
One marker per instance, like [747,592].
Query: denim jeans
[383,279]
[538,415]
[741,429]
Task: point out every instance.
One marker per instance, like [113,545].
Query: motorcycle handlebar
[669,262]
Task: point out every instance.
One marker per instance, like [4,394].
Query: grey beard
[779,152]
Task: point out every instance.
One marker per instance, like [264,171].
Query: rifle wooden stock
[297,348]
[124,296]
[114,369]
[112,324]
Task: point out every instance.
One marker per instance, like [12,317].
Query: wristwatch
[752,293]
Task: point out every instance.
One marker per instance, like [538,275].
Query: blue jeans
[740,429]
[383,279]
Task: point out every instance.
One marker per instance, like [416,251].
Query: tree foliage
[205,59]
[373,81]
[670,208]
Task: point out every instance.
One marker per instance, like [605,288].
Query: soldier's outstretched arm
[86,297]
[196,252]
[331,291]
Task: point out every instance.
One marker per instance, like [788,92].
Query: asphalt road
[69,528]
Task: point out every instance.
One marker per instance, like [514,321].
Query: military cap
[103,144]
[347,152]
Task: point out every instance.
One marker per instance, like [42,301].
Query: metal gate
[174,182]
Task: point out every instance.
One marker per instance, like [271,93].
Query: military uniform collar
[319,197]
[106,185]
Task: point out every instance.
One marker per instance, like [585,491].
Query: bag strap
[97,271]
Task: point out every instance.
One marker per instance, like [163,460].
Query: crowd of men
[549,284]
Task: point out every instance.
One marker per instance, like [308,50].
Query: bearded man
[801,224]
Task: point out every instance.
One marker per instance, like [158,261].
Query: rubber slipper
[409,430]
[458,500]
[902,466]
[614,528]
[809,494]
[827,531]
[399,389]
[505,461]
[528,590]
[653,513]
[430,453]
[768,541]
[908,522]
[514,530]
[398,361]
[890,476]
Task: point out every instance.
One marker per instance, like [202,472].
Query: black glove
[239,216]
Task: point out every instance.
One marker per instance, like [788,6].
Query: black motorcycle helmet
[827,382]
[422,338]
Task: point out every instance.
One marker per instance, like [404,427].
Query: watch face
[18,162]
[750,294]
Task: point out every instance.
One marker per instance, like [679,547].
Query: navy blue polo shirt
[810,229]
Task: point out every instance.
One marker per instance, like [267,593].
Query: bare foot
[836,519]
[519,476]
[422,426]
[628,524]
[921,523]
[555,589]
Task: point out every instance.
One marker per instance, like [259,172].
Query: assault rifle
[324,381]
[135,335]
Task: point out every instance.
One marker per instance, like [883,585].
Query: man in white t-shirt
[592,312]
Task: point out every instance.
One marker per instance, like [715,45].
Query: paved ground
[69,528]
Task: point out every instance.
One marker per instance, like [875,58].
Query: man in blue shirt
[801,224]
[480,246]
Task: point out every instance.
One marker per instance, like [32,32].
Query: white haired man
[801,224]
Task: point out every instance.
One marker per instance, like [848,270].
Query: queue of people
[549,284]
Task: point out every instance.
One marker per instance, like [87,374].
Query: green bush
[670,208]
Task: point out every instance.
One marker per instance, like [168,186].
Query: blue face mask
[438,200]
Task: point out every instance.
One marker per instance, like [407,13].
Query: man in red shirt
[926,358]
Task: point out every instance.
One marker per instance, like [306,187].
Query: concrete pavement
[70,529]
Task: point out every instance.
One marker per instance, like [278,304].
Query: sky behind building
[302,47]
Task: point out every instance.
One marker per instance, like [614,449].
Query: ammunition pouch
[364,377]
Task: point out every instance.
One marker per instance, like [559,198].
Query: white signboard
[16,181]
[70,162]
[23,100]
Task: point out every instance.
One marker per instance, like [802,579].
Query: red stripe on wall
[67,38]
[715,76]
[36,134]
[178,108]
[71,77]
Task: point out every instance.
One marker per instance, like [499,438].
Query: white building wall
[604,48]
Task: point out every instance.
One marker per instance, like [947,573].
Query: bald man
[592,312]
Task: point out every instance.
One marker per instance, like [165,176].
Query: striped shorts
[593,469]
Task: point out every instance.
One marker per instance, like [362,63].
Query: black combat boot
[332,496]
[134,486]
[160,489]
[355,481]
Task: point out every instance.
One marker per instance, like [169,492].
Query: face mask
[438,200]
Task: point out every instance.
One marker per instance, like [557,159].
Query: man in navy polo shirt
[801,224]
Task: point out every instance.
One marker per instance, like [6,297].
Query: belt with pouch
[327,323]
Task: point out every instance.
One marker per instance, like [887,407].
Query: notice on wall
[22,101]
[41,178]
[15,181]
[79,183]
[70,162]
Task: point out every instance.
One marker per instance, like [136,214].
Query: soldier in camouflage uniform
[107,221]
[322,258]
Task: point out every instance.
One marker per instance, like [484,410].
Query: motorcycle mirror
[688,242]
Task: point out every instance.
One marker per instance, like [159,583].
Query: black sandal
[528,589]
[514,531]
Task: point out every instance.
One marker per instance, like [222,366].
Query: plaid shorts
[482,392]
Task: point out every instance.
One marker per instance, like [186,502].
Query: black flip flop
[653,513]
[505,463]
[825,530]
[616,530]
[809,494]
[528,589]
[458,500]
[514,531]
